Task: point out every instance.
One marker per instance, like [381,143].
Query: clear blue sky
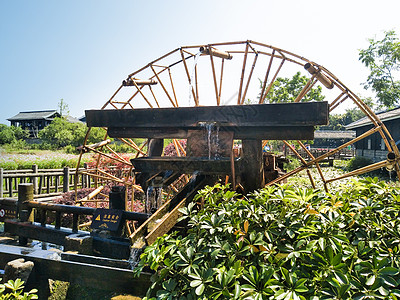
[81,50]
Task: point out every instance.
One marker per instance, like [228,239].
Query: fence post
[34,178]
[66,180]
[1,182]
[85,179]
[25,193]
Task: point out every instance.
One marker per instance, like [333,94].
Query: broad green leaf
[370,280]
[200,289]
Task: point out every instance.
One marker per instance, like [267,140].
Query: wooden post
[34,178]
[252,173]
[156,147]
[10,187]
[85,179]
[25,193]
[117,197]
[1,182]
[66,180]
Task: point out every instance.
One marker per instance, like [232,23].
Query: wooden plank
[211,143]
[251,172]
[171,218]
[182,164]
[277,114]
[248,132]
[36,232]
[196,183]
[167,222]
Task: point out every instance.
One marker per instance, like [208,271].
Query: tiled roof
[35,115]
[332,134]
[383,116]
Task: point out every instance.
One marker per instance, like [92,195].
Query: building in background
[34,121]
[374,146]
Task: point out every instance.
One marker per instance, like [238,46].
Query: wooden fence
[46,182]
[343,154]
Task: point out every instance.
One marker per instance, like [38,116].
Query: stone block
[18,268]
[78,242]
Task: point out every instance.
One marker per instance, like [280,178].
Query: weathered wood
[37,232]
[196,183]
[1,182]
[252,166]
[184,165]
[250,132]
[127,215]
[155,147]
[278,114]
[211,143]
[112,278]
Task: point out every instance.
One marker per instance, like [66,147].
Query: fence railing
[46,182]
[343,154]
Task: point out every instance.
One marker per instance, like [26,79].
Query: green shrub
[282,243]
[70,149]
[293,163]
[16,145]
[16,292]
[9,134]
[358,162]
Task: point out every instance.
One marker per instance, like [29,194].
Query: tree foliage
[61,133]
[63,107]
[382,57]
[287,89]
[9,134]
[339,121]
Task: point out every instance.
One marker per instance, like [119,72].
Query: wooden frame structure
[220,74]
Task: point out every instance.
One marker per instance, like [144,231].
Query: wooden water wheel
[221,74]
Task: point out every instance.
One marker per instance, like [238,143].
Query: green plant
[282,242]
[358,162]
[14,290]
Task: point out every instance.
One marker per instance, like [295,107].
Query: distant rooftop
[334,134]
[35,115]
[383,116]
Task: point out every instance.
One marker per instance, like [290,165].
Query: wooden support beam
[259,132]
[184,165]
[252,174]
[277,114]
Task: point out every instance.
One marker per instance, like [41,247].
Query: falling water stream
[191,86]
[154,198]
[153,201]
[136,251]
[212,130]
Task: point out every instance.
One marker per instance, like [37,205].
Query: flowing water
[212,130]
[136,251]
[154,199]
[134,257]
[191,85]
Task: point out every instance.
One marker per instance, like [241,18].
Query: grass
[44,159]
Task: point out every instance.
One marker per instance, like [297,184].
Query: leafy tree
[382,57]
[9,134]
[287,89]
[339,121]
[61,133]
[63,107]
